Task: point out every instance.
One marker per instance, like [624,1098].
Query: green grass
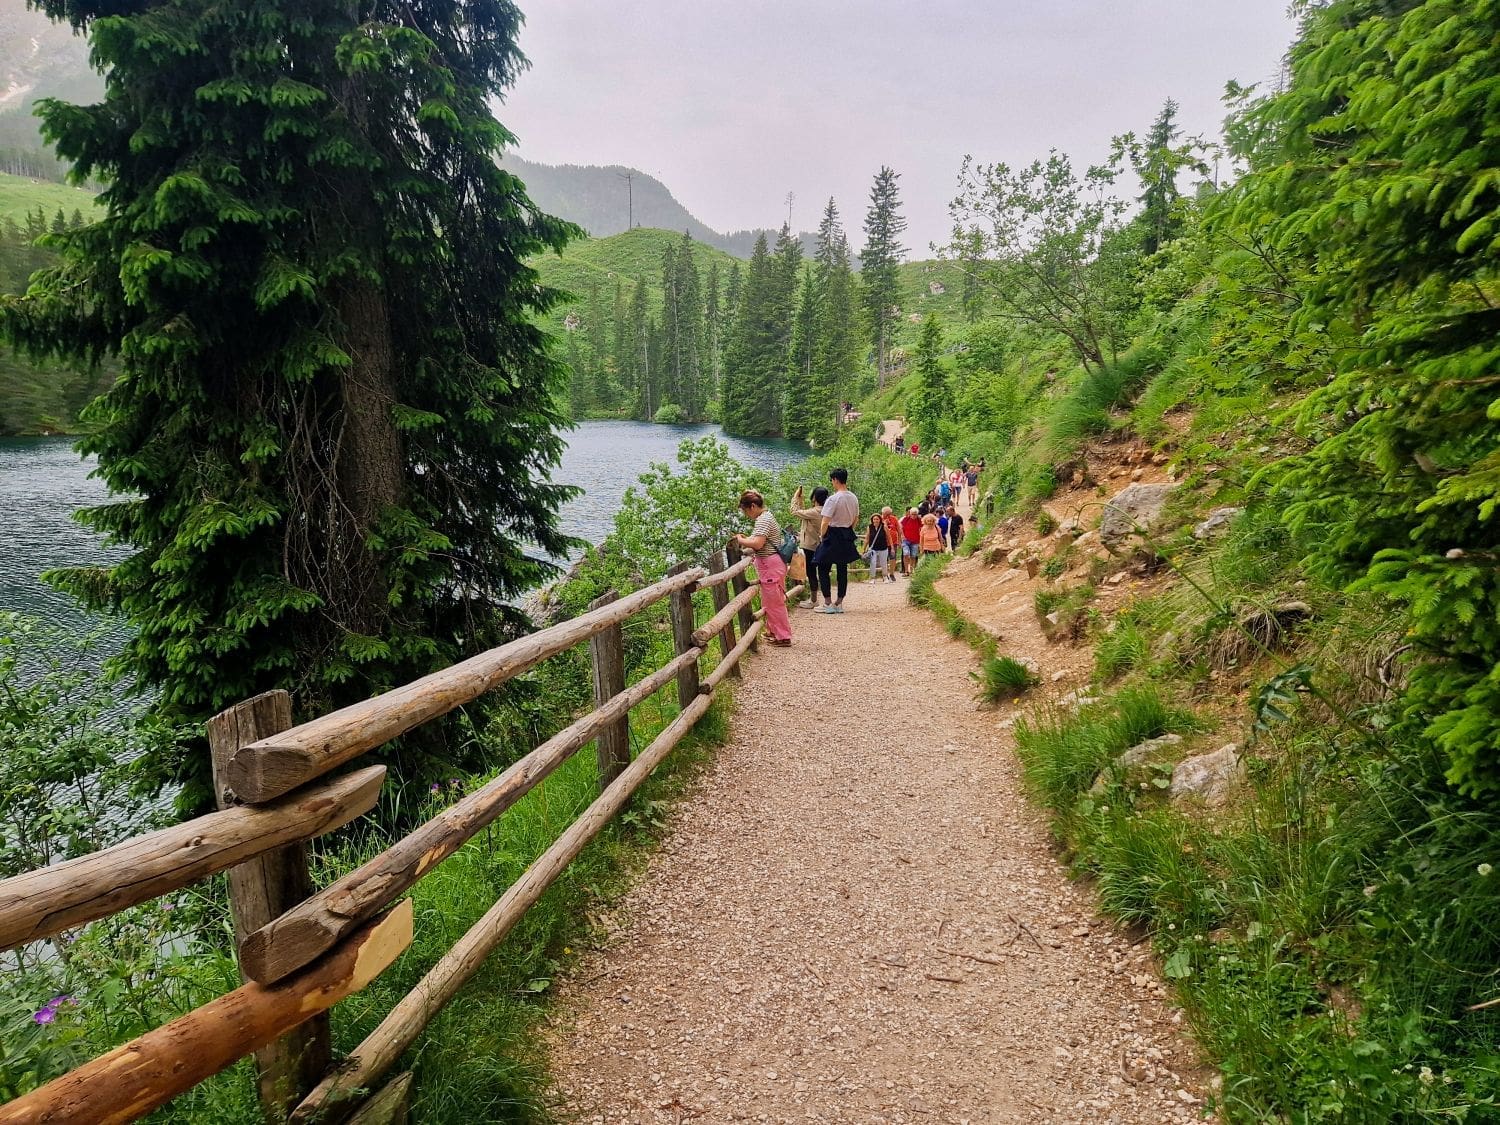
[20,197]
[1003,677]
[1124,647]
[626,258]
[1061,753]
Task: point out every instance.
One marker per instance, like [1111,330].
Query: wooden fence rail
[302,949]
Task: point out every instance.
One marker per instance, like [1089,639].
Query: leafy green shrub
[1003,677]
[1046,523]
[669,414]
[684,516]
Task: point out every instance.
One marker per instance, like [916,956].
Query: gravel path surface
[868,924]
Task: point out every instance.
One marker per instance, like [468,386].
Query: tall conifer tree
[838,331]
[878,261]
[713,325]
[801,357]
[754,361]
[336,416]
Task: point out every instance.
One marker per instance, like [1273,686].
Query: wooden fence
[302,949]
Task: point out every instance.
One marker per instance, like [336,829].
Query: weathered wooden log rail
[303,949]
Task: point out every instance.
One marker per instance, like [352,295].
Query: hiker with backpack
[771,550]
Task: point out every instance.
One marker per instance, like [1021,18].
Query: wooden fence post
[262,889]
[607,659]
[720,594]
[680,606]
[741,584]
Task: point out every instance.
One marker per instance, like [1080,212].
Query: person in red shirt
[911,538]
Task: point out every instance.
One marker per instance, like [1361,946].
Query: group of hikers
[830,536]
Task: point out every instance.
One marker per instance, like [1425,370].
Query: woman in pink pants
[763,540]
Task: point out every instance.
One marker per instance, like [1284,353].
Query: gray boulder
[1141,754]
[1217,522]
[1208,777]
[1137,505]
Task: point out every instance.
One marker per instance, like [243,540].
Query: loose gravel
[858,918]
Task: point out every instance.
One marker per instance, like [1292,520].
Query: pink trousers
[772,572]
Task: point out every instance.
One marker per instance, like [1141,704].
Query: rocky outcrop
[1209,778]
[1136,506]
[1141,754]
[1217,523]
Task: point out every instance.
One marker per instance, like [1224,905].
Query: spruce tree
[713,324]
[671,330]
[599,374]
[336,416]
[800,361]
[838,331]
[755,358]
[882,254]
[639,349]
[931,403]
[690,332]
[1157,164]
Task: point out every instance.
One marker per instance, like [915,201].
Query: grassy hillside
[19,197]
[625,257]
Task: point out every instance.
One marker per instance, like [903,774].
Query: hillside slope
[20,197]
[624,257]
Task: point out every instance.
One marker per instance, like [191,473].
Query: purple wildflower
[436,788]
[48,1011]
[454,782]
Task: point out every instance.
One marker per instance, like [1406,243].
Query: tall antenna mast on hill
[791,197]
[629,178]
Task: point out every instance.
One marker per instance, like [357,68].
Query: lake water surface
[42,481]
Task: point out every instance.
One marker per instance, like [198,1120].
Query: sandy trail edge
[865,923]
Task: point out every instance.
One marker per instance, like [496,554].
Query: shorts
[911,550]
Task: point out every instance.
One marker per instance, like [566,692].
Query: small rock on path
[867,924]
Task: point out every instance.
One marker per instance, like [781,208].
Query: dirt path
[865,923]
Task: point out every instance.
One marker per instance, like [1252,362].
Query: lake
[42,481]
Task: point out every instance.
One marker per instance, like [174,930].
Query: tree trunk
[371,465]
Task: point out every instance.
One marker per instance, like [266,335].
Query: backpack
[788,547]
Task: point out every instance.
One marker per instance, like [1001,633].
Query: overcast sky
[733,103]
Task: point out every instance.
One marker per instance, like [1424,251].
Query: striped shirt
[765,524]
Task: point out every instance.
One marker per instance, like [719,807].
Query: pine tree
[837,343]
[694,396]
[672,345]
[599,374]
[619,351]
[801,357]
[337,415]
[713,341]
[1157,164]
[878,261]
[638,348]
[755,358]
[931,403]
[786,266]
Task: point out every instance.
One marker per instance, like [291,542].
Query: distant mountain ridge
[40,58]
[601,200]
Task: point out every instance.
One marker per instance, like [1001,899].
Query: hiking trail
[857,917]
